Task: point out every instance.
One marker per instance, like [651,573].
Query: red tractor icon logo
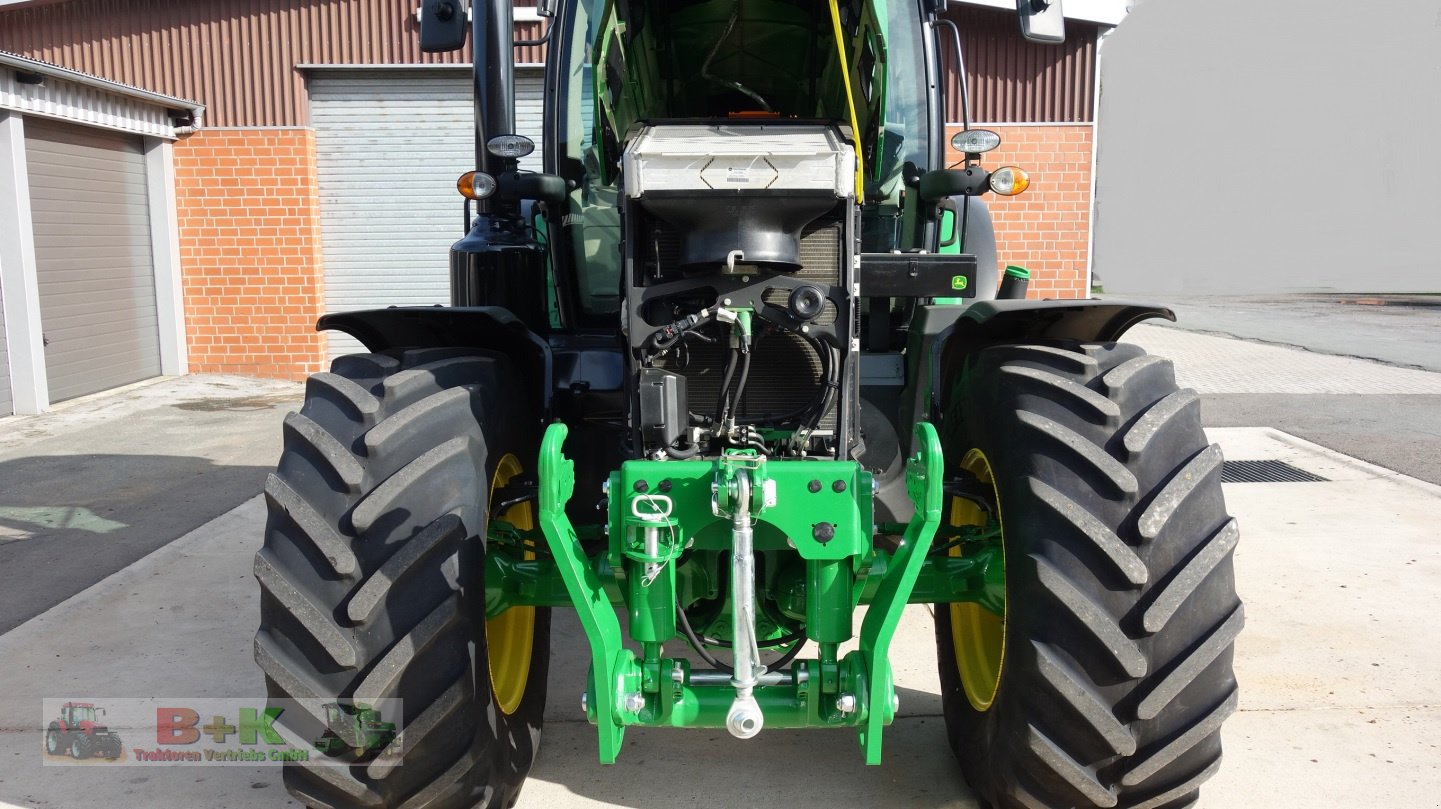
[78,733]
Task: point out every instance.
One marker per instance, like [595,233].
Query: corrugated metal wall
[236,56]
[239,56]
[1013,81]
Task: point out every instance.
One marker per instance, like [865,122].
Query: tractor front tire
[55,740]
[372,587]
[1106,682]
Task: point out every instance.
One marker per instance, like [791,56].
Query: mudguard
[488,327]
[942,336]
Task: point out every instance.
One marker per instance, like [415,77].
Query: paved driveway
[1337,665]
[100,483]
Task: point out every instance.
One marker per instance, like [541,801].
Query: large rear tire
[1106,680]
[372,584]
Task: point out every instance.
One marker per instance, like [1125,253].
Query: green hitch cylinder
[652,605]
[828,600]
[651,548]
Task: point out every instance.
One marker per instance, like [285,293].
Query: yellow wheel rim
[510,635]
[978,636]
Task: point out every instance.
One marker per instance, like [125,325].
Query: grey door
[94,265]
[7,400]
[389,145]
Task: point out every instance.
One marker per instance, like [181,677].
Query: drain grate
[1265,472]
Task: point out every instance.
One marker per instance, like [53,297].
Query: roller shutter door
[389,145]
[94,263]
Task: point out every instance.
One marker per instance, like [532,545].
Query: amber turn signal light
[475,185]
[1010,181]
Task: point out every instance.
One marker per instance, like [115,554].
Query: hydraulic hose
[695,642]
[734,85]
[723,404]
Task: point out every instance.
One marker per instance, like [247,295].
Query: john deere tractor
[736,378]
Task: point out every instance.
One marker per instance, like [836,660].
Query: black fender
[487,327]
[942,337]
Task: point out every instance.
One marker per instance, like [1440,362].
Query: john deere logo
[958,282]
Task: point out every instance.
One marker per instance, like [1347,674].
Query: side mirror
[442,25]
[533,185]
[1042,20]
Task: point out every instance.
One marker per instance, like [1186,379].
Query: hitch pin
[661,507]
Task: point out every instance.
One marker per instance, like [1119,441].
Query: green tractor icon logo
[353,727]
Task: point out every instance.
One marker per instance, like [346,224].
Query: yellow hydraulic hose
[850,100]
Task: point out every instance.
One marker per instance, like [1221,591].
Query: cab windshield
[714,59]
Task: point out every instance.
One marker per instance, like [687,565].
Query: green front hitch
[671,523]
[597,617]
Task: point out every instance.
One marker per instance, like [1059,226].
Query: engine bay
[739,288]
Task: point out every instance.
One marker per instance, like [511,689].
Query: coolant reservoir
[750,188]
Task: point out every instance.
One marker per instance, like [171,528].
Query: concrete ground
[102,481]
[1340,703]
[1397,329]
[1380,413]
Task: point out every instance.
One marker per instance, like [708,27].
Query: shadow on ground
[68,521]
[661,768]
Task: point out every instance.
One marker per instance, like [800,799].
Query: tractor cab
[75,714]
[870,71]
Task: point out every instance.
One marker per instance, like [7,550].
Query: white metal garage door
[389,145]
[94,264]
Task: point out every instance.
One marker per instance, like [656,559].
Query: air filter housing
[734,188]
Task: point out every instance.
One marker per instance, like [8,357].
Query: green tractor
[353,728]
[738,363]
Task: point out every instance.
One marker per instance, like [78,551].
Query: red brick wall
[250,251]
[250,242]
[1046,229]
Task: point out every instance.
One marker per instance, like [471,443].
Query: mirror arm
[960,70]
[544,38]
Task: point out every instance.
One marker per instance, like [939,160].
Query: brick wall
[1045,229]
[250,239]
[250,251]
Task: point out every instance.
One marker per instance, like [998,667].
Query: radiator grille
[785,369]
[785,376]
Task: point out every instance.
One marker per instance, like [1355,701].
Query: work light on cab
[511,146]
[975,141]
